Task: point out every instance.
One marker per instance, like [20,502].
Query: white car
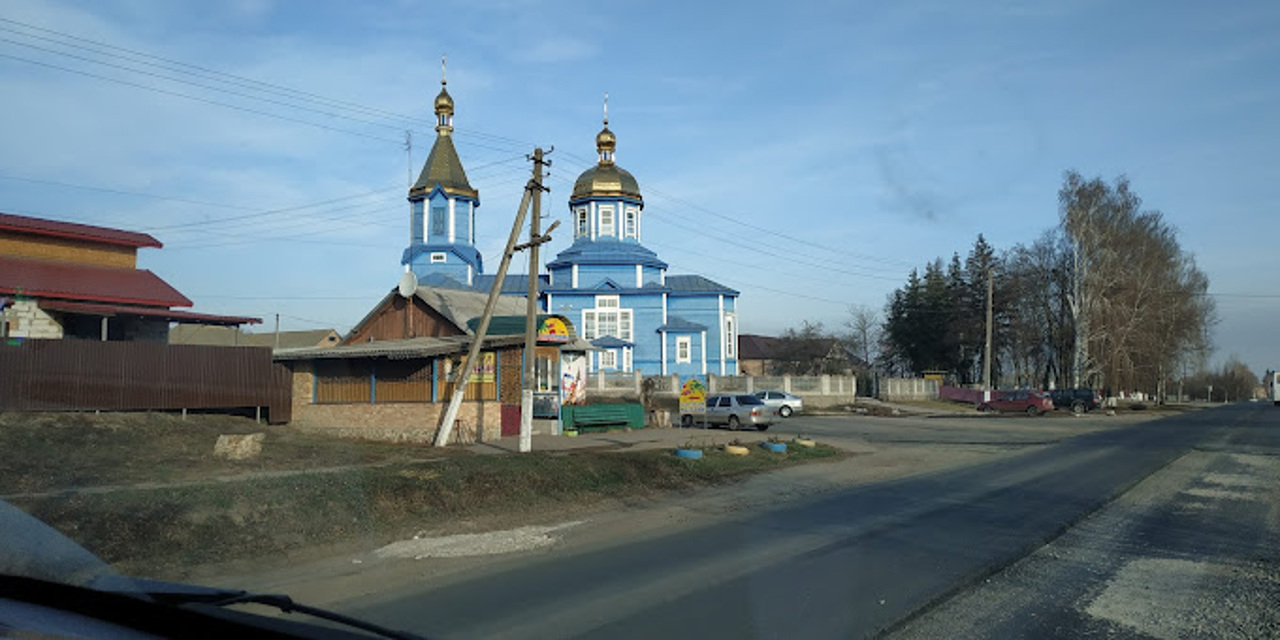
[782,402]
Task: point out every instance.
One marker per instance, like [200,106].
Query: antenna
[408,284]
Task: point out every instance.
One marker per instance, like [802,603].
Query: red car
[1031,402]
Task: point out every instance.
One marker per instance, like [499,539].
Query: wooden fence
[79,375]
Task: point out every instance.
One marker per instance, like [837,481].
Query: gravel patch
[475,544]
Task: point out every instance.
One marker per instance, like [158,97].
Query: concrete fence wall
[816,390]
[908,389]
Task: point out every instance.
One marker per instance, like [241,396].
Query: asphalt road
[852,563]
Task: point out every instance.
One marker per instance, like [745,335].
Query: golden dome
[444,102]
[606,141]
[606,180]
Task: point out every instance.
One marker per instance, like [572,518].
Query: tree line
[1106,298]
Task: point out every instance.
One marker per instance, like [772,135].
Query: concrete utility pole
[531,308]
[986,358]
[461,378]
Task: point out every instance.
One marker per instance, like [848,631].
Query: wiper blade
[180,594]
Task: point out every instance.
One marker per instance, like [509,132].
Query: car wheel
[1033,411]
[785,411]
[686,421]
[1077,408]
[733,422]
[762,427]
[983,408]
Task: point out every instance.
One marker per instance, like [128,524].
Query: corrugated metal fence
[58,375]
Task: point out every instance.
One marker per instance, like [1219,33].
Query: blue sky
[837,144]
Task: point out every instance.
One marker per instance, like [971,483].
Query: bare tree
[864,332]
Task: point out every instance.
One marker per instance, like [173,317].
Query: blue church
[616,290]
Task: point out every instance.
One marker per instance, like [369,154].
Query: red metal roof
[43,227]
[86,283]
[129,310]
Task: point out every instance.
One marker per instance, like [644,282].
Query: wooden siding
[475,390]
[21,245]
[402,381]
[389,322]
[343,381]
[79,375]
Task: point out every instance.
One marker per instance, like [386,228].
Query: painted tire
[735,450]
[689,454]
[775,447]
[805,442]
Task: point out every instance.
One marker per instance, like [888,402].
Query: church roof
[697,284]
[676,324]
[610,342]
[606,251]
[445,169]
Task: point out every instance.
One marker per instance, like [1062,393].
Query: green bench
[601,417]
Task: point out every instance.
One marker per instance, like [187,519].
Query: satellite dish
[408,284]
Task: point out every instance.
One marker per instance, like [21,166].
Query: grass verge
[167,532]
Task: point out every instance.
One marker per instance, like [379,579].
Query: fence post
[600,380]
[711,383]
[751,384]
[853,386]
[826,385]
[786,383]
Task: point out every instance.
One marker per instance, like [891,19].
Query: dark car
[1077,400]
[1031,402]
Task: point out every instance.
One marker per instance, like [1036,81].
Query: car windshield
[627,319]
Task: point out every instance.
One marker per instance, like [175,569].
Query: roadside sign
[693,397]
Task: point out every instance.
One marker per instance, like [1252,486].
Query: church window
[683,349]
[609,359]
[629,230]
[607,319]
[626,359]
[438,225]
[438,257]
[416,222]
[606,221]
[730,338]
[583,223]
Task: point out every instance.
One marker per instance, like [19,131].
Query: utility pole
[986,358]
[277,338]
[461,378]
[531,308]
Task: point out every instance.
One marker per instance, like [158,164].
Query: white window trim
[613,359]
[687,343]
[582,222]
[610,229]
[627,359]
[630,223]
[573,277]
[639,276]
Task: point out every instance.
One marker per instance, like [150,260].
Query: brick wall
[399,421]
[393,421]
[27,320]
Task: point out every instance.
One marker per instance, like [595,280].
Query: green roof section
[513,325]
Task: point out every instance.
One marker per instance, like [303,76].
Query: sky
[808,154]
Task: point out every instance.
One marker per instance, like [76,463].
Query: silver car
[735,411]
[782,402]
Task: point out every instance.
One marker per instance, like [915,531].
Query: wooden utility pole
[461,378]
[531,311]
[986,358]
